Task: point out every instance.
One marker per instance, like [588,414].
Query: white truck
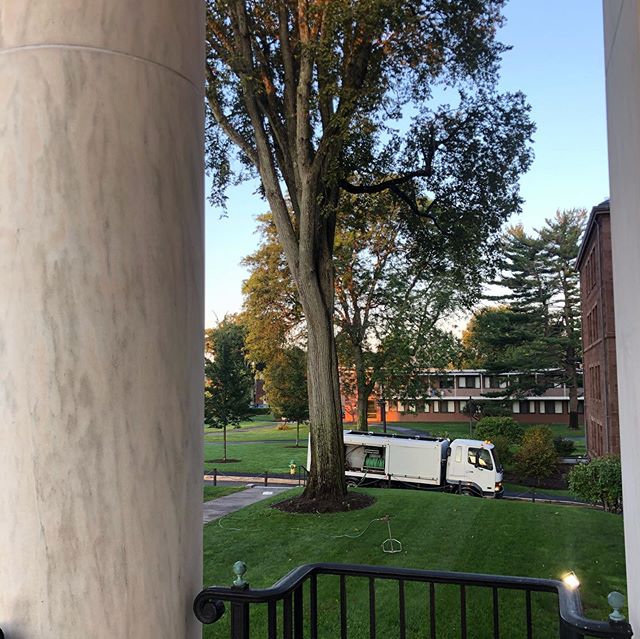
[463,465]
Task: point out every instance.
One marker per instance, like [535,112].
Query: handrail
[570,605]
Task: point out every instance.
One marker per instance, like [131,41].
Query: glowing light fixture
[571,580]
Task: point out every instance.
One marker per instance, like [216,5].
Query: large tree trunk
[325,414]
[573,407]
[362,388]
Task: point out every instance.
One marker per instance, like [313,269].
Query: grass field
[254,458]
[213,492]
[258,429]
[437,531]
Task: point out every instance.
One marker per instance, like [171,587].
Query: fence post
[215,476]
[266,477]
[239,610]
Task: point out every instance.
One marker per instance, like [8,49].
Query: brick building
[598,335]
[447,393]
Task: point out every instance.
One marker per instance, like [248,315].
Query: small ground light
[571,580]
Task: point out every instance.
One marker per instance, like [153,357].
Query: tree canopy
[308,92]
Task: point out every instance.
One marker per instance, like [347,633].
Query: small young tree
[228,379]
[537,458]
[286,386]
[599,482]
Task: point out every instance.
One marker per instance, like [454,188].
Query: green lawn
[439,532]
[254,458]
[257,429]
[525,491]
[213,492]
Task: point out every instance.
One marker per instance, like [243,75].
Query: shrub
[503,448]
[537,458]
[564,447]
[599,482]
[492,427]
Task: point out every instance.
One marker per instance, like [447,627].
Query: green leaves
[599,482]
[228,379]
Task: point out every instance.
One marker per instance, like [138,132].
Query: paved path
[217,508]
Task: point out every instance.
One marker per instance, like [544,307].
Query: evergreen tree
[228,379]
[537,331]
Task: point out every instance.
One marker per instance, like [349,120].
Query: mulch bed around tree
[353,501]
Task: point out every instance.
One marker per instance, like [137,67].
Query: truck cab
[473,467]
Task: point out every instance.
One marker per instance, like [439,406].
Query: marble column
[622,63]
[101,318]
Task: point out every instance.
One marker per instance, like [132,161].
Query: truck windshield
[484,459]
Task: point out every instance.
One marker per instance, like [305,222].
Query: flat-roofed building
[599,335]
[445,396]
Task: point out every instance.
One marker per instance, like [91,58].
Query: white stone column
[101,318]
[622,58]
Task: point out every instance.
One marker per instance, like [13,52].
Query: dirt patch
[353,501]
[223,461]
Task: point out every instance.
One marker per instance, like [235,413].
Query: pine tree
[537,332]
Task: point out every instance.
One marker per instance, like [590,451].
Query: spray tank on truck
[463,465]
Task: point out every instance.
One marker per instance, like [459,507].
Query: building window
[516,407]
[427,407]
[541,408]
[469,381]
[525,407]
[436,406]
[462,405]
[559,407]
[450,406]
[590,270]
[595,383]
[447,382]
[592,326]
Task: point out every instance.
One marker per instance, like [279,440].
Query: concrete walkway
[217,508]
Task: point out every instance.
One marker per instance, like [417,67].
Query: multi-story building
[599,335]
[447,394]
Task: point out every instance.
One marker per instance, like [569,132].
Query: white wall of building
[622,58]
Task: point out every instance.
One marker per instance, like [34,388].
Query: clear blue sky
[557,61]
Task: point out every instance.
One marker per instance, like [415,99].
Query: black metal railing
[293,606]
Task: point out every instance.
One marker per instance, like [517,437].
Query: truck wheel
[352,484]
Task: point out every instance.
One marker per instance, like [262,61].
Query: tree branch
[223,122]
